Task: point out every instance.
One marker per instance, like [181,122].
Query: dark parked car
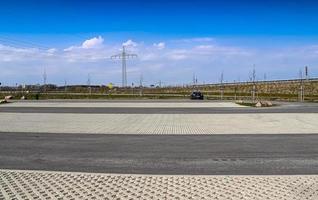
[197,95]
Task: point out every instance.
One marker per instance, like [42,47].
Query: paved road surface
[153,107]
[129,110]
[164,154]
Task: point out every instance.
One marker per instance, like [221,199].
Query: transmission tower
[65,85]
[44,77]
[44,80]
[89,83]
[141,84]
[124,56]
[221,86]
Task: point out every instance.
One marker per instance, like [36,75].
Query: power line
[21,43]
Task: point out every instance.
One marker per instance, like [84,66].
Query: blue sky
[174,39]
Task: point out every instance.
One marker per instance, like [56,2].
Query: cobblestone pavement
[67,185]
[159,123]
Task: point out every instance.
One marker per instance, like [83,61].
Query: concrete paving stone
[19,184]
[256,123]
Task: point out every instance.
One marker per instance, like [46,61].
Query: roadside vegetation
[287,90]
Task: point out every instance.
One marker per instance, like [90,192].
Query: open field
[284,90]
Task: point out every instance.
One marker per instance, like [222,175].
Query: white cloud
[196,39]
[12,54]
[95,42]
[71,48]
[52,51]
[178,56]
[130,43]
[149,56]
[15,49]
[174,62]
[204,47]
[217,49]
[202,39]
[160,45]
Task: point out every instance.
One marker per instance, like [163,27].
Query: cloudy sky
[173,39]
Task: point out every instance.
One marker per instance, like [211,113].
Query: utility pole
[265,85]
[65,85]
[239,87]
[254,84]
[23,86]
[301,86]
[89,83]
[132,88]
[44,80]
[307,79]
[221,86]
[302,79]
[235,90]
[194,80]
[306,72]
[140,84]
[124,56]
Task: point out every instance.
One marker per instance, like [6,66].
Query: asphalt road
[131,110]
[161,154]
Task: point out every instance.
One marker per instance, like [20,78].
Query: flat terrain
[150,107]
[154,110]
[163,154]
[158,150]
[179,124]
[123,104]
[158,117]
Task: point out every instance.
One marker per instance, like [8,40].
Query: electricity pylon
[44,80]
[44,77]
[221,86]
[89,83]
[124,56]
